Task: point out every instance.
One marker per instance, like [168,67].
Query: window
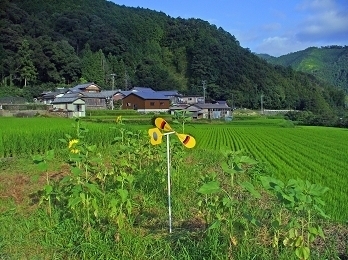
[78,108]
[152,104]
[161,103]
[129,104]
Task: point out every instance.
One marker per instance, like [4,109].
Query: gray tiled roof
[211,106]
[61,100]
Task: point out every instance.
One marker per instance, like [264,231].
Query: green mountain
[328,63]
[46,43]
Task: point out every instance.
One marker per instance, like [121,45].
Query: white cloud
[320,23]
[326,22]
[277,46]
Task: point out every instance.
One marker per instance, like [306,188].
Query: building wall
[95,103]
[135,102]
[191,99]
[75,109]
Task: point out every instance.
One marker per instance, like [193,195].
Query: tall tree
[26,69]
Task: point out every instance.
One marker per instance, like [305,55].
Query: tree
[26,69]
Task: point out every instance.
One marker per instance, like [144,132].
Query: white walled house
[73,107]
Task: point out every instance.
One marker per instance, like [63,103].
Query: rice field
[318,154]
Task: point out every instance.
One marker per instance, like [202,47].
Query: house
[100,100]
[86,87]
[48,96]
[210,110]
[177,107]
[146,102]
[173,95]
[71,106]
[193,99]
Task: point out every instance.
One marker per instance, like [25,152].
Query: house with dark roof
[210,110]
[71,106]
[146,102]
[48,96]
[86,87]
[173,95]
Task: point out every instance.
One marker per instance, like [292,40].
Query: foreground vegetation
[103,196]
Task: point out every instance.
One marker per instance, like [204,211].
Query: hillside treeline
[329,63]
[45,44]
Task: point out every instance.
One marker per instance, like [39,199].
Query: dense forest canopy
[45,44]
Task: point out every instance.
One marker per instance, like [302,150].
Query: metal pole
[168,182]
[168,177]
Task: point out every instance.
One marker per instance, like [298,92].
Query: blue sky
[275,27]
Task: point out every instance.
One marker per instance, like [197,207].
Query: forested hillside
[45,44]
[329,63]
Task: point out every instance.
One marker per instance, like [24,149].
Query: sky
[274,27]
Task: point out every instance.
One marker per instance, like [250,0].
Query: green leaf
[76,171]
[275,224]
[313,230]
[50,155]
[91,148]
[321,212]
[215,225]
[320,232]
[302,252]
[42,166]
[226,202]
[247,160]
[48,189]
[37,159]
[210,188]
[249,187]
[299,241]
[123,194]
[74,201]
[63,140]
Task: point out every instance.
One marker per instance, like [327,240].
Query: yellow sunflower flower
[73,142]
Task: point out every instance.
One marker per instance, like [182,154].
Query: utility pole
[113,87]
[204,87]
[262,104]
[113,80]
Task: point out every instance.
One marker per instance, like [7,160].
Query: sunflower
[72,143]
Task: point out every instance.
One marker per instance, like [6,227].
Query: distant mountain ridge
[328,63]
